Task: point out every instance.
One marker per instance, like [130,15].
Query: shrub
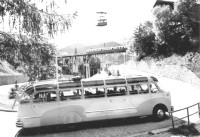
[186,130]
[13,92]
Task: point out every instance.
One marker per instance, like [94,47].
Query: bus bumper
[19,123]
[172,108]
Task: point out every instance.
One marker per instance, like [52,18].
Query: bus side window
[38,97]
[153,88]
[132,90]
[116,91]
[94,92]
[51,96]
[100,92]
[87,93]
[70,94]
[142,88]
[25,99]
[44,97]
[76,94]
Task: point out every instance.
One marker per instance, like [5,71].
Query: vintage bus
[56,102]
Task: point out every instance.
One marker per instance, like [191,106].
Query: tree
[67,69]
[35,57]
[95,65]
[177,29]
[27,18]
[29,48]
[82,69]
[144,38]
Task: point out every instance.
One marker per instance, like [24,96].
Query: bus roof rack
[75,79]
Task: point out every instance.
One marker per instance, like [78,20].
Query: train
[107,50]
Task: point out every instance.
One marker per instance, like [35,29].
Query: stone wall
[155,68]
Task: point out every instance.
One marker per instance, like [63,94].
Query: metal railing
[188,114]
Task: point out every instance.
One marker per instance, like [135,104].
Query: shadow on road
[88,125]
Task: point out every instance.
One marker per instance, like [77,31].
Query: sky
[122,18]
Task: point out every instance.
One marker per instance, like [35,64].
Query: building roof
[164,2]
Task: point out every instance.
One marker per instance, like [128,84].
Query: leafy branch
[27,18]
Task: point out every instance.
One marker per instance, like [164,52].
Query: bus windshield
[160,86]
[24,98]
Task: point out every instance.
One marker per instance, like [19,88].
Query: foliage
[66,70]
[28,51]
[176,28]
[194,62]
[13,92]
[95,65]
[175,31]
[144,39]
[82,69]
[39,61]
[35,57]
[26,17]
[185,130]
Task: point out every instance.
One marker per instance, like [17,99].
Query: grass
[185,130]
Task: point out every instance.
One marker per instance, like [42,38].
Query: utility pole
[56,63]
[102,22]
[56,66]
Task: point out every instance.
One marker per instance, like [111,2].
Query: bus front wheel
[159,113]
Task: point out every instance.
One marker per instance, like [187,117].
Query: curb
[8,110]
[157,131]
[153,132]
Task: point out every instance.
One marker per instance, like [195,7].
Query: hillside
[81,48]
[7,69]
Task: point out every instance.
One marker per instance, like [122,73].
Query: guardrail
[188,114]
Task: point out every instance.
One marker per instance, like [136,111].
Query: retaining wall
[177,72]
[11,79]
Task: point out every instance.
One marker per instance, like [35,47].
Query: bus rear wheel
[159,113]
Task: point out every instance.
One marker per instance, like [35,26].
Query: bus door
[158,95]
[45,105]
[155,89]
[70,106]
[141,98]
[118,102]
[95,103]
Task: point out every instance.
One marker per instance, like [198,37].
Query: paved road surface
[7,124]
[119,128]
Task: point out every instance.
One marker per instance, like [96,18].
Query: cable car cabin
[102,22]
[74,101]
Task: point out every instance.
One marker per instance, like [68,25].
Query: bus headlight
[19,123]
[172,108]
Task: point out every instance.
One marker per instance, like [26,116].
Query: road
[7,126]
[182,95]
[119,127]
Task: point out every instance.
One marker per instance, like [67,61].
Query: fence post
[188,116]
[172,120]
[199,109]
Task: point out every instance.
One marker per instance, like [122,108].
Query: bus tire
[71,119]
[71,126]
[159,113]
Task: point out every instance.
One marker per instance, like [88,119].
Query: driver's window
[142,88]
[153,88]
[44,97]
